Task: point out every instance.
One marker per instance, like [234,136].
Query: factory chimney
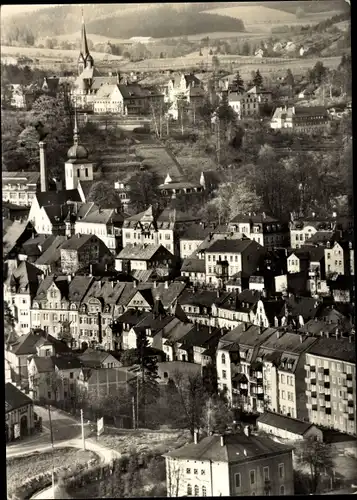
[43,167]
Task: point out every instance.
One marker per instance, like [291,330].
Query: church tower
[85,60]
[77,167]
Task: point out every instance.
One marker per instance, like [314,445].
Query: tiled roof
[12,235]
[141,252]
[86,186]
[131,317]
[178,332]
[109,375]
[98,215]
[53,253]
[133,91]
[168,295]
[106,90]
[27,343]
[14,398]
[26,276]
[77,241]
[67,362]
[341,349]
[34,246]
[307,307]
[282,422]
[203,298]
[57,198]
[28,177]
[44,364]
[78,287]
[288,342]
[237,448]
[251,336]
[93,357]
[156,323]
[144,275]
[193,266]
[199,336]
[255,219]
[196,231]
[232,246]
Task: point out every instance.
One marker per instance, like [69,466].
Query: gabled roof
[20,177]
[26,344]
[77,241]
[12,235]
[248,336]
[193,266]
[57,197]
[255,219]
[232,246]
[43,364]
[14,398]
[92,357]
[143,251]
[52,254]
[35,245]
[237,448]
[200,336]
[307,307]
[97,215]
[25,276]
[289,424]
[196,232]
[67,362]
[203,298]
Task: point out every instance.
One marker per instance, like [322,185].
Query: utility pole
[82,425]
[52,447]
[134,416]
[137,402]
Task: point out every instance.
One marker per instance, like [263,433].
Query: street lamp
[52,447]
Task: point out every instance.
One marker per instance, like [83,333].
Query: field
[19,469]
[72,37]
[144,441]
[36,53]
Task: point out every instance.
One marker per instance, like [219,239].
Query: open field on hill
[36,53]
[72,37]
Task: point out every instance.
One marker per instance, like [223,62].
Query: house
[290,47]
[337,258]
[303,50]
[35,246]
[183,87]
[170,338]
[198,304]
[303,228]
[33,343]
[105,223]
[13,212]
[229,310]
[96,383]
[308,119]
[154,325]
[230,465]
[14,235]
[50,260]
[225,258]
[287,428]
[198,345]
[53,378]
[20,288]
[19,188]
[269,312]
[167,370]
[144,257]
[250,101]
[234,101]
[298,261]
[194,269]
[124,192]
[330,378]
[173,187]
[83,250]
[93,358]
[19,413]
[262,228]
[192,236]
[259,53]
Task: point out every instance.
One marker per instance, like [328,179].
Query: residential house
[224,258]
[337,258]
[183,87]
[303,228]
[192,236]
[33,343]
[287,428]
[198,304]
[35,246]
[230,465]
[124,193]
[269,312]
[93,358]
[330,370]
[13,212]
[234,101]
[300,119]
[83,250]
[281,360]
[230,310]
[173,187]
[194,269]
[198,345]
[20,188]
[235,353]
[105,223]
[259,53]
[250,101]
[129,99]
[96,383]
[19,413]
[20,288]
[172,337]
[14,235]
[50,260]
[262,228]
[145,257]
[298,261]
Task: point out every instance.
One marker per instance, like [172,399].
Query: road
[66,433]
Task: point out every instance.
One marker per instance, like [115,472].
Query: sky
[10,10]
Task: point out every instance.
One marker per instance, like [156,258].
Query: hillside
[124,21]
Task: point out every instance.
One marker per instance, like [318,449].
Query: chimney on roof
[195,437]
[166,285]
[222,440]
[134,284]
[43,167]
[69,278]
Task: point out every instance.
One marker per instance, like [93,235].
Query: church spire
[84,43]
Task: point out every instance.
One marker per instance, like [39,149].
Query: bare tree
[174,474]
[316,456]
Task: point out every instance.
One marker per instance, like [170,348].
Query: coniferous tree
[237,84]
[258,79]
[149,389]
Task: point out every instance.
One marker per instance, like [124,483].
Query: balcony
[326,378]
[327,397]
[327,385]
[308,406]
[312,368]
[349,383]
[350,390]
[350,411]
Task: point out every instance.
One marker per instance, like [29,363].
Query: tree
[149,389]
[215,63]
[204,112]
[209,378]
[143,188]
[246,48]
[317,73]
[317,457]
[258,79]
[290,81]
[104,195]
[49,43]
[226,117]
[210,52]
[9,322]
[216,416]
[174,477]
[237,84]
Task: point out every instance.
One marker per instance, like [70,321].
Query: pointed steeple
[84,43]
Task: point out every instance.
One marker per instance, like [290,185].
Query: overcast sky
[9,10]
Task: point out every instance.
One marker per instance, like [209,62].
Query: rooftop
[232,246]
[282,422]
[14,398]
[341,349]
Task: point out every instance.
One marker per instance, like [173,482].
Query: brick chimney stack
[43,167]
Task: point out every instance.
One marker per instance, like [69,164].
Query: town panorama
[178,249]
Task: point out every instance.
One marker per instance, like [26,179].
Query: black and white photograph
[178,249]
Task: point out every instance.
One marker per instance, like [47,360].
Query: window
[188,471]
[266,473]
[223,359]
[281,471]
[189,490]
[203,472]
[195,471]
[224,374]
[204,491]
[282,490]
[282,379]
[252,476]
[197,491]
[71,375]
[237,480]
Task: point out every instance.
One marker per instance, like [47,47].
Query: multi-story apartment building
[330,379]
[262,228]
[230,465]
[192,237]
[249,102]
[20,188]
[225,258]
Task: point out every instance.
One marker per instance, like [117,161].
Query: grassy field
[142,441]
[34,52]
[19,469]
